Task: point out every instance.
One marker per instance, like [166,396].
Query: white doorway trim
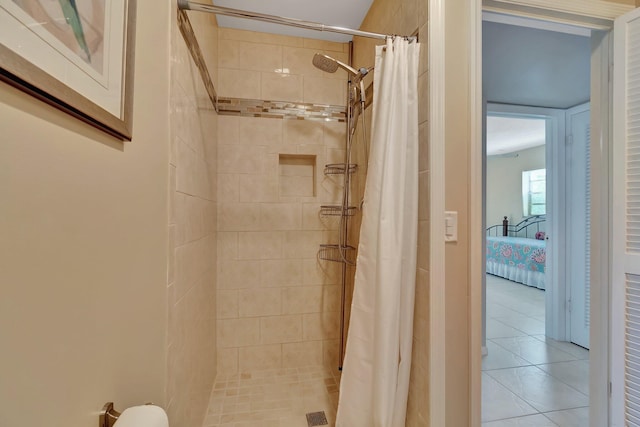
[601,107]
[555,291]
[476,219]
[592,14]
[537,24]
[595,15]
[437,355]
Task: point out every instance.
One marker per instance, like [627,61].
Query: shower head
[330,65]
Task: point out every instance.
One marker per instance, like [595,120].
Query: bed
[518,252]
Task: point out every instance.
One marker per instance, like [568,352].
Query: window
[534,192]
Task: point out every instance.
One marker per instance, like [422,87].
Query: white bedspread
[515,274]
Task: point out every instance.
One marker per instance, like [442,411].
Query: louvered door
[578,199]
[625,310]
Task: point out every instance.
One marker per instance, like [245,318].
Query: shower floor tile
[274,398]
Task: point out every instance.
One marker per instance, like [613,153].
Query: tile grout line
[527,336]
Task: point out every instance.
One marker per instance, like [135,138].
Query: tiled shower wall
[278,305]
[278,68]
[406,17]
[191,276]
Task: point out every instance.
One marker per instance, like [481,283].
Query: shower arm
[292,22]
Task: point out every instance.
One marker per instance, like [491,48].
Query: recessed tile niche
[297,175]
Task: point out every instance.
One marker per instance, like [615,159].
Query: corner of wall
[192,248]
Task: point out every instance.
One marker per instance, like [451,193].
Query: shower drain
[316,419]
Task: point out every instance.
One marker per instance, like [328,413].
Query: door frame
[555,158]
[596,15]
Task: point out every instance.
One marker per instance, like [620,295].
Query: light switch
[451,226]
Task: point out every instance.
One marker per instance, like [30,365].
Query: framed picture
[76,55]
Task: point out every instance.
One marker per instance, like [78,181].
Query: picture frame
[76,55]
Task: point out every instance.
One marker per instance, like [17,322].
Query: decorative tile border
[254,107]
[281,110]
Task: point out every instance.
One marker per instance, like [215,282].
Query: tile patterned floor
[529,380]
[275,398]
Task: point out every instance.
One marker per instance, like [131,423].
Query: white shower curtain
[375,377]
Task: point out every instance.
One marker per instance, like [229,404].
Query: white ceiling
[337,13]
[509,134]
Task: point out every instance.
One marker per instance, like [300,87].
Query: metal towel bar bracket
[108,415]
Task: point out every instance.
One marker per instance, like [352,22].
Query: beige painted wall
[83,224]
[457,183]
[504,183]
[191,276]
[405,17]
[278,306]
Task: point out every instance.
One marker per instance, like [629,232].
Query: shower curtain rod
[292,22]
